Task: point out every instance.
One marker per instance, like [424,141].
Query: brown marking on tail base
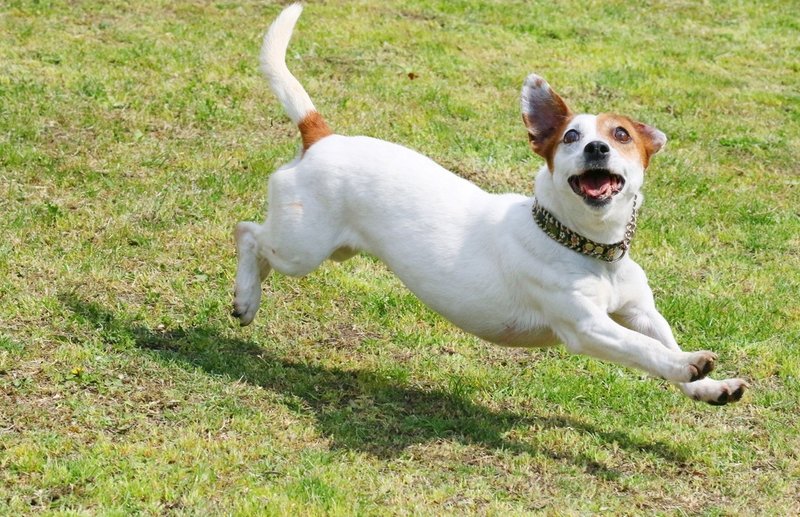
[313,128]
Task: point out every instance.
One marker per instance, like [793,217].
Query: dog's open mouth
[597,186]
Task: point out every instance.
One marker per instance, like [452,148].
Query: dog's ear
[652,140]
[545,113]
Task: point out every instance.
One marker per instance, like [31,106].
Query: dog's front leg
[590,331]
[645,318]
[252,268]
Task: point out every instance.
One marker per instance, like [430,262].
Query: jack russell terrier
[510,269]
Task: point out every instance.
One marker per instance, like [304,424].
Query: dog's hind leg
[251,270]
[295,239]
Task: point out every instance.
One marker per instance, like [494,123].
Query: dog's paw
[729,390]
[245,304]
[700,364]
[714,392]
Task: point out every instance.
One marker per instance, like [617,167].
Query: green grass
[134,135]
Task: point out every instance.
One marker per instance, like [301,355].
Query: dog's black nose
[596,149]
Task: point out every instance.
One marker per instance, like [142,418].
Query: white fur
[476,258]
[273,64]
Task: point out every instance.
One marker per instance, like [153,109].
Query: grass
[134,135]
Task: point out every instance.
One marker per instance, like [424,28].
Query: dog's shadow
[361,409]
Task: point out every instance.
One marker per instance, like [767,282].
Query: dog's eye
[571,136]
[621,135]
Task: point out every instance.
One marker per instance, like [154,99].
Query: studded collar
[580,244]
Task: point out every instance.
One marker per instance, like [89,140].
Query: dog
[510,269]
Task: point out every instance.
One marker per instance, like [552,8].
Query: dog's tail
[287,88]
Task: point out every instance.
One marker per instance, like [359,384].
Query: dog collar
[577,242]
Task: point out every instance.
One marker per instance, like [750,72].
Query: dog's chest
[605,292]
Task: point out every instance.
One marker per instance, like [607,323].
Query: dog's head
[595,157]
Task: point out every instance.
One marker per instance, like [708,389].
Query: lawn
[133,137]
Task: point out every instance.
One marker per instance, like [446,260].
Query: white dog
[510,269]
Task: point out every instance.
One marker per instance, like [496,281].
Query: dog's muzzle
[597,186]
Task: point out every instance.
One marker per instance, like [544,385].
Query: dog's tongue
[595,185]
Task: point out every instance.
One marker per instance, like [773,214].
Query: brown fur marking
[313,128]
[546,147]
[640,146]
[546,117]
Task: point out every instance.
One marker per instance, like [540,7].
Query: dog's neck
[604,225]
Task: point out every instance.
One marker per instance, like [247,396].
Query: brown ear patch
[545,115]
[645,140]
[313,128]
